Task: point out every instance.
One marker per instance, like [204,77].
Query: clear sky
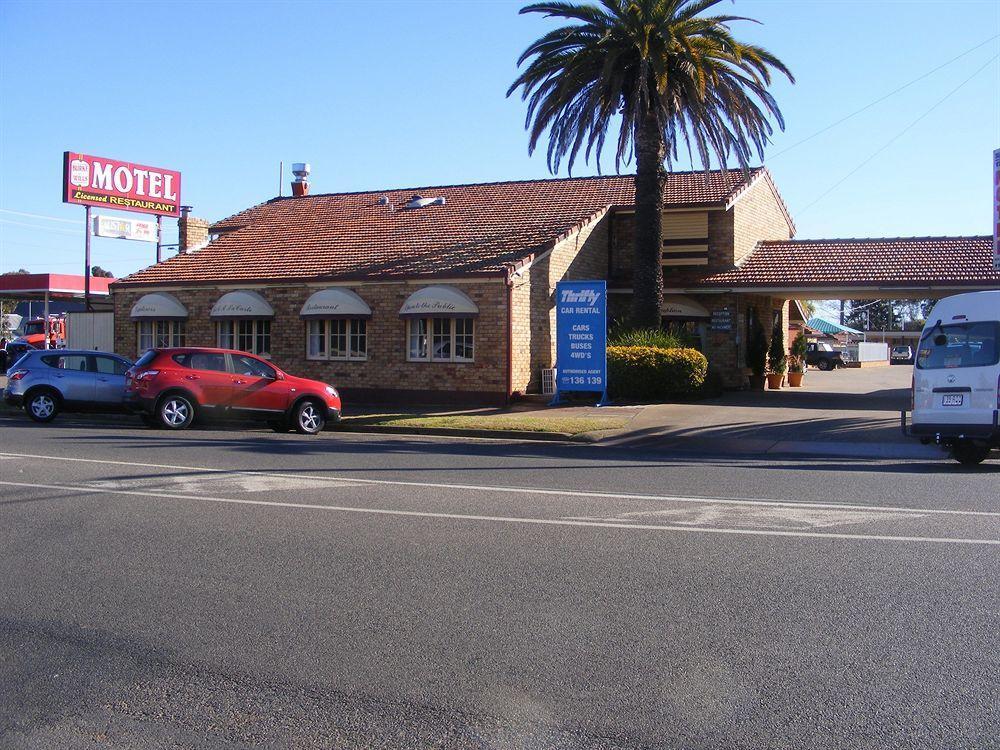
[411,93]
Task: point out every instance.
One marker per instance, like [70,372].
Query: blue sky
[400,94]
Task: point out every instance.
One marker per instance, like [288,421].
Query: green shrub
[777,359]
[649,373]
[655,337]
[757,351]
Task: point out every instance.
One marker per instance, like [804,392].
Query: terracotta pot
[774,380]
[795,379]
[757,382]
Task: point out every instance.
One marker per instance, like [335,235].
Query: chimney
[300,185]
[191,231]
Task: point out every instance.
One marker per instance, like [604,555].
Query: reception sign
[120,185]
[581,337]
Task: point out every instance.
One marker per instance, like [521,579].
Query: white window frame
[429,343]
[256,332]
[352,329]
[175,332]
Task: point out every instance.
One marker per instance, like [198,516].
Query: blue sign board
[582,337]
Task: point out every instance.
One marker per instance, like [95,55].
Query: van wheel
[150,421]
[823,364]
[42,406]
[309,418]
[279,425]
[175,412]
[969,454]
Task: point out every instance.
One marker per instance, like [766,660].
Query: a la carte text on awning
[680,306]
[242,304]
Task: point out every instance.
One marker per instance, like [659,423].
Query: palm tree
[672,76]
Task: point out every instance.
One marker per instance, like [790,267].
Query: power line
[882,98]
[896,137]
[38,216]
[42,228]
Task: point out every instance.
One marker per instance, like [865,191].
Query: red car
[170,387]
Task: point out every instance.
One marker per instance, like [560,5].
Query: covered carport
[47,287]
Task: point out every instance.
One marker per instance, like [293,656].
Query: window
[252,336]
[337,338]
[959,345]
[204,361]
[451,339]
[110,365]
[243,365]
[160,333]
[76,362]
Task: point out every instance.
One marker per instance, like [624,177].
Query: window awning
[679,306]
[241,304]
[158,305]
[438,302]
[335,302]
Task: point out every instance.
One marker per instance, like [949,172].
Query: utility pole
[841,312]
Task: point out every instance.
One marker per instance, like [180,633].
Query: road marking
[756,516]
[528,490]
[506,519]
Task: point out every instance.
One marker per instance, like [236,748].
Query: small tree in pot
[797,363]
[757,357]
[777,359]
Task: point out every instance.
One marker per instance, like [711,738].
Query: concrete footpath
[851,412]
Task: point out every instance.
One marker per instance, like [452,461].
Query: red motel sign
[120,185]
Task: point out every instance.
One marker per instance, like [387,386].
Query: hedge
[649,373]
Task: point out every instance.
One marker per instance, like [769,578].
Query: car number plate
[952,399]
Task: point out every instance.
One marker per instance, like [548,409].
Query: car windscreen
[974,344]
[34,327]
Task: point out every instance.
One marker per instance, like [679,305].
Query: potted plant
[797,362]
[777,359]
[757,357]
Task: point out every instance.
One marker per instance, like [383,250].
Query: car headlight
[332,391]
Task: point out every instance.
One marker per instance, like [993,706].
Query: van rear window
[960,345]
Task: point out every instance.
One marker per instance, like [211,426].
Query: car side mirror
[279,375]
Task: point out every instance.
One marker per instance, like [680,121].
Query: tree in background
[18,272]
[98,271]
[673,76]
[886,315]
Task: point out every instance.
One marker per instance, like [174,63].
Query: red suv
[170,387]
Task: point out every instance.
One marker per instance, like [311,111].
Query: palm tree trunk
[647,268]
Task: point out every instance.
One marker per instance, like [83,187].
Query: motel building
[447,293]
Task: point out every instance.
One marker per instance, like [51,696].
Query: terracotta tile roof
[480,230]
[920,261]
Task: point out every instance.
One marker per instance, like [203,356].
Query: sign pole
[159,236]
[86,259]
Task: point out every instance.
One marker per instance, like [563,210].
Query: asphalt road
[224,588]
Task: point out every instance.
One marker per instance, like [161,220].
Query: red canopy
[56,285]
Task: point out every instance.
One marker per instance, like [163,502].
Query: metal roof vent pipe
[418,201]
[300,185]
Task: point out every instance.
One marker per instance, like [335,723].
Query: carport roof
[874,264]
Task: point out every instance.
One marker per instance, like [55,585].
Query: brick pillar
[191,231]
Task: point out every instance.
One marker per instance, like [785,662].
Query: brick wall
[386,373]
[584,255]
[757,216]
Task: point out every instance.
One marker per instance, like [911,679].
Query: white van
[956,377]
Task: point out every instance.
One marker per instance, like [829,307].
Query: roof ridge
[752,170]
[877,239]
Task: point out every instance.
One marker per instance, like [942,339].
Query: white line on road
[527,490]
[507,519]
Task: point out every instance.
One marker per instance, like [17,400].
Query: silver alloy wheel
[175,411]
[309,418]
[42,406]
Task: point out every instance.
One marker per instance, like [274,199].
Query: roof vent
[383,200]
[300,185]
[419,202]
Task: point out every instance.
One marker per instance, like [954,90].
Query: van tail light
[17,375]
[998,393]
[913,392]
[146,375]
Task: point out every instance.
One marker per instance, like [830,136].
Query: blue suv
[47,381]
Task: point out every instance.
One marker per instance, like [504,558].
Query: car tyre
[150,421]
[280,425]
[969,454]
[823,364]
[175,412]
[310,418]
[42,406]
